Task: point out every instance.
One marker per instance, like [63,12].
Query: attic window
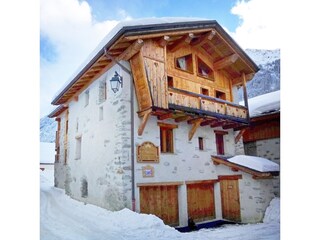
[170,81]
[185,63]
[204,70]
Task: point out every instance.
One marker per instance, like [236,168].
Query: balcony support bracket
[194,128]
[143,123]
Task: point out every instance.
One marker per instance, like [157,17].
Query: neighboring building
[262,138]
[47,152]
[140,122]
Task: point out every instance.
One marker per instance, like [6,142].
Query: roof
[57,111]
[123,36]
[256,166]
[268,103]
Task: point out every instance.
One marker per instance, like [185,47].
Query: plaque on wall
[148,152]
[148,171]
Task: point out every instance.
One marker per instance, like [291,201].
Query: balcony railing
[205,105]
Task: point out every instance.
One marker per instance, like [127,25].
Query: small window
[204,70]
[78,148]
[84,188]
[170,81]
[201,146]
[102,91]
[220,144]
[166,137]
[86,98]
[220,95]
[101,113]
[185,63]
[205,91]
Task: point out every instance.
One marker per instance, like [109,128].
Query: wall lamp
[116,82]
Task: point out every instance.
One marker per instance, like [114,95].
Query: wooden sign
[148,171]
[147,152]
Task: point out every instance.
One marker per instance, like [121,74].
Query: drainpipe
[133,198]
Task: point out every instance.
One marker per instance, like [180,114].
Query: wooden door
[230,200]
[161,201]
[201,201]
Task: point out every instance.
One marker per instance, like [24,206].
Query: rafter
[238,80]
[226,61]
[165,116]
[182,118]
[163,41]
[181,42]
[202,39]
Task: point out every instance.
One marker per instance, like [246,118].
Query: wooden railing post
[245,95]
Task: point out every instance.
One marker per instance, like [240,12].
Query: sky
[71,29]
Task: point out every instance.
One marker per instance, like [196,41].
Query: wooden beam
[230,125]
[217,124]
[192,121]
[204,38]
[163,41]
[144,121]
[220,132]
[245,95]
[239,135]
[225,61]
[181,42]
[208,122]
[182,118]
[194,128]
[238,81]
[229,177]
[165,116]
[133,49]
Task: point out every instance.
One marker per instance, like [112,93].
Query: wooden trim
[182,41]
[163,41]
[182,118]
[239,135]
[229,177]
[159,184]
[202,39]
[210,181]
[220,132]
[167,125]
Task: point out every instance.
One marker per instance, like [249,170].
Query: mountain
[267,79]
[48,127]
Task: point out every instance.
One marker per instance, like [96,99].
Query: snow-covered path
[62,218]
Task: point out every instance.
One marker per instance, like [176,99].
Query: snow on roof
[116,29]
[47,152]
[263,104]
[255,163]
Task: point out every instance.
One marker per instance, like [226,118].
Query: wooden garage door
[201,201]
[230,200]
[161,201]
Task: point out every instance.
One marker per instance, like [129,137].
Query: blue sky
[71,29]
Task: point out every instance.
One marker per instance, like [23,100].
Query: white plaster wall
[255,195]
[187,163]
[105,147]
[60,167]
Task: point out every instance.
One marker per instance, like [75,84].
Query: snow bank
[265,103]
[272,214]
[47,152]
[255,163]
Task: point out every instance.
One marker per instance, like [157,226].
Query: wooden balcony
[206,106]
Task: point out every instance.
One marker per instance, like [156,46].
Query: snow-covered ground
[62,218]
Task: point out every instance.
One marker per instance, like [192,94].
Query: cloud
[260,24]
[69,27]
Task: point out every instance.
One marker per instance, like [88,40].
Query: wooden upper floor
[186,71]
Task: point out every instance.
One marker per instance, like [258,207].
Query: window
[201,146]
[101,113]
[204,70]
[220,141]
[78,148]
[220,95]
[166,137]
[102,91]
[86,98]
[170,81]
[84,188]
[205,91]
[185,63]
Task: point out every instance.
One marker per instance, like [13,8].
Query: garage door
[201,201]
[161,201]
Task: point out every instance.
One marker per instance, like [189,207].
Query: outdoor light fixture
[116,81]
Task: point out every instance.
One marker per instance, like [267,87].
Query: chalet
[150,120]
